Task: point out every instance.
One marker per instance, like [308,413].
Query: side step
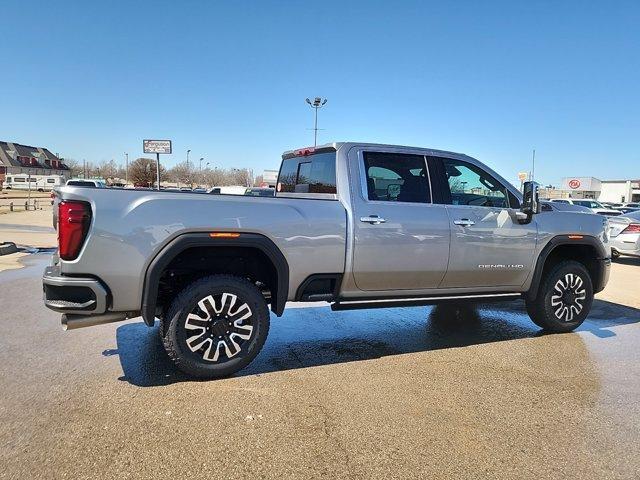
[420,301]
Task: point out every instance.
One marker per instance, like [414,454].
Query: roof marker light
[224,235]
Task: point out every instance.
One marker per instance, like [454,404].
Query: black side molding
[319,287]
[190,240]
[585,240]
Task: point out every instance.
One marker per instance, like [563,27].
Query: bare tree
[142,172]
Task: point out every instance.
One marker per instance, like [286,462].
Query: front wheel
[216,326]
[564,298]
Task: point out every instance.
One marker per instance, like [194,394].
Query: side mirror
[530,200]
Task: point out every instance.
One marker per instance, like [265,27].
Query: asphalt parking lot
[423,392]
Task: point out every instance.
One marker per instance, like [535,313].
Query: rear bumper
[73,295]
[605,271]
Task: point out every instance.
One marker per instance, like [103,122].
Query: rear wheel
[615,254]
[216,326]
[564,298]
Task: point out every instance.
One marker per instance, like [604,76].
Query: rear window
[308,174]
[80,183]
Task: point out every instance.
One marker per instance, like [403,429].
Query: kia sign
[574,183]
[581,184]
[157,146]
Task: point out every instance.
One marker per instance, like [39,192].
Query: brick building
[16,158]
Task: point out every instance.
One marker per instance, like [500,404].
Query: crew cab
[353,224]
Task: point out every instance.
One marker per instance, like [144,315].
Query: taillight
[633,228]
[73,225]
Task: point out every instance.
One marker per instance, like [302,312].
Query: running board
[419,301]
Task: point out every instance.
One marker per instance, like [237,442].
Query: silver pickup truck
[357,225]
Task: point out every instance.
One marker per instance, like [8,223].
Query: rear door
[401,237]
[489,248]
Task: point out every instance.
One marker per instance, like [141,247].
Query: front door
[489,247]
[401,236]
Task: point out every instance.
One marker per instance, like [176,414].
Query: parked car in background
[86,182]
[631,204]
[626,210]
[624,235]
[611,204]
[228,190]
[260,192]
[596,207]
[548,206]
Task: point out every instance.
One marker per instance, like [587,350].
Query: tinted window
[470,185]
[80,183]
[310,174]
[561,201]
[395,177]
[19,180]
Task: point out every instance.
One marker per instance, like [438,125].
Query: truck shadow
[313,336]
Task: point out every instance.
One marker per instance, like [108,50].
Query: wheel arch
[586,249]
[188,241]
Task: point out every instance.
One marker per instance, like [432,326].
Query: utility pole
[317,103]
[126,168]
[84,168]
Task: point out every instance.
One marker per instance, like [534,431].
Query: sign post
[523,178]
[158,147]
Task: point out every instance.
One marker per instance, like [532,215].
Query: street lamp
[188,152]
[317,103]
[126,169]
[201,159]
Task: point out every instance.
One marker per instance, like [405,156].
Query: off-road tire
[175,332]
[564,298]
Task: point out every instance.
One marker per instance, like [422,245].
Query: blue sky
[228,79]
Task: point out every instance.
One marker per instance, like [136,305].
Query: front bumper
[73,295]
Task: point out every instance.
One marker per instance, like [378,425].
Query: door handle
[465,222]
[373,220]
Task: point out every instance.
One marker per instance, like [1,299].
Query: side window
[310,174]
[395,177]
[470,185]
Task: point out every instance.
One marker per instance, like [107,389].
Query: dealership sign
[157,146]
[581,184]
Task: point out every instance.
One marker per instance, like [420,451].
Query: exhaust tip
[73,322]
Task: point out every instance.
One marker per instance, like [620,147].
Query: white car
[596,207]
[624,235]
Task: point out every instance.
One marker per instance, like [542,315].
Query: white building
[618,191]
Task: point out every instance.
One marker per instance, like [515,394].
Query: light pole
[533,164]
[126,168]
[201,159]
[188,152]
[317,103]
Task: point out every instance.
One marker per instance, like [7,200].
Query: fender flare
[586,240]
[200,239]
